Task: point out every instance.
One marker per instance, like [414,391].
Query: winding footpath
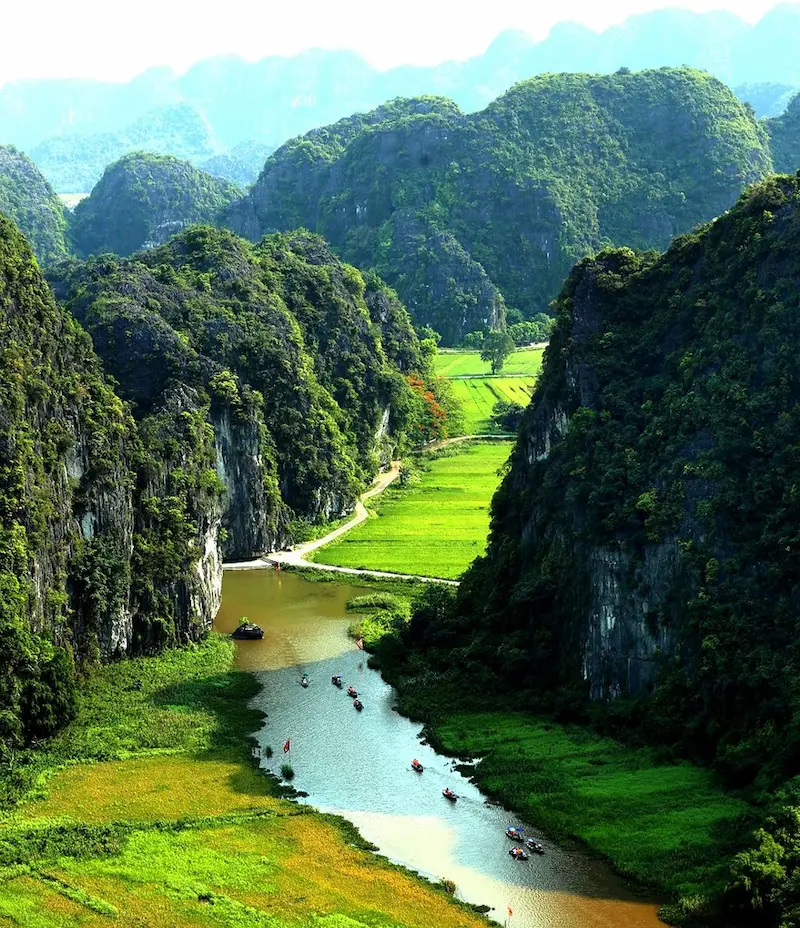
[296,555]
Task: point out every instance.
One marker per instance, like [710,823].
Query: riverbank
[669,826]
[150,802]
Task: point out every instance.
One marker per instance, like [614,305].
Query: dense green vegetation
[150,802]
[784,133]
[28,200]
[642,543]
[468,215]
[144,198]
[433,523]
[282,331]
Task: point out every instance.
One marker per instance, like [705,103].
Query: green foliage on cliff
[644,542]
[784,134]
[463,213]
[28,200]
[46,362]
[144,198]
[283,328]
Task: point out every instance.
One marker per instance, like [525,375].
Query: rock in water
[248,632]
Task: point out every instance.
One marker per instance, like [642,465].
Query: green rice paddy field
[435,527]
[469,364]
[479,394]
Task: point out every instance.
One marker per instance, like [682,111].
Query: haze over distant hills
[230,101]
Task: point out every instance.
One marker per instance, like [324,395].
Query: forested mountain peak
[28,200]
[467,214]
[144,198]
[642,544]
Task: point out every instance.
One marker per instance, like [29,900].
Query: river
[357,764]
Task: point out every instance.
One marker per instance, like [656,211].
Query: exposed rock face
[252,520]
[462,213]
[643,542]
[109,528]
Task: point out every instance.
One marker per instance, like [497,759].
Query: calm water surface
[358,765]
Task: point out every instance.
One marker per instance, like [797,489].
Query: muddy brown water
[357,764]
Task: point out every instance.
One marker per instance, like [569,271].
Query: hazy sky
[114,40]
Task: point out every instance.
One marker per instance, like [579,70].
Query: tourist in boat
[515,832]
[352,693]
[304,680]
[518,854]
[449,794]
[534,846]
[336,679]
[416,765]
[358,705]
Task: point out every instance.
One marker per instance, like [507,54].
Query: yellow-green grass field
[437,525]
[148,811]
[469,364]
[662,823]
[478,395]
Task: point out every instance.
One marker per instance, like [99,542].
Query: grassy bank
[666,825]
[468,363]
[670,826]
[149,810]
[436,524]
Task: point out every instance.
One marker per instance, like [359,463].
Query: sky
[113,40]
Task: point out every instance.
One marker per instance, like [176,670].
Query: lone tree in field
[497,346]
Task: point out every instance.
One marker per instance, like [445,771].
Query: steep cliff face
[281,340]
[644,542]
[461,213]
[108,531]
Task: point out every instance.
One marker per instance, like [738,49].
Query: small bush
[287,772]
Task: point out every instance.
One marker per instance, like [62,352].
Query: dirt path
[296,556]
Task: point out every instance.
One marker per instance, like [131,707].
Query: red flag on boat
[286,746]
[360,644]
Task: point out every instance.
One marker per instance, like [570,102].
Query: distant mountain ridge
[74,163]
[271,100]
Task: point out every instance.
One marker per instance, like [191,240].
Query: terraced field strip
[479,394]
[436,527]
[524,361]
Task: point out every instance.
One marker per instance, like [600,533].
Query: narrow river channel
[357,764]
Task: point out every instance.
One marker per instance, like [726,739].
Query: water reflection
[358,765]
